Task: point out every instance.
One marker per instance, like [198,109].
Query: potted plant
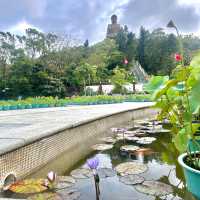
[179,102]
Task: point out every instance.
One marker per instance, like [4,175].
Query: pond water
[162,166]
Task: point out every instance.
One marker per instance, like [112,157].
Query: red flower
[178,57]
[125,61]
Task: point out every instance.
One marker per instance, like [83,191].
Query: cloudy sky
[89,18]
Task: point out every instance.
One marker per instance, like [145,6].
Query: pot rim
[181,162]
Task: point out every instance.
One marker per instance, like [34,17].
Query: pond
[159,158]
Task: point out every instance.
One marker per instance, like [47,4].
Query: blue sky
[89,18]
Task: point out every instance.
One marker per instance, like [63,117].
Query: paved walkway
[21,127]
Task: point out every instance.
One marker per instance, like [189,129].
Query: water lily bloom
[178,57]
[51,176]
[93,163]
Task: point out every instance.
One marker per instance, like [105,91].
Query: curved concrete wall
[64,148]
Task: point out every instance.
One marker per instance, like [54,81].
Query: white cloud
[20,28]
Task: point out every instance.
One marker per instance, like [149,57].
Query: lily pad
[146,140]
[132,133]
[131,168]
[67,179]
[154,188]
[165,131]
[65,182]
[140,134]
[132,138]
[144,150]
[132,179]
[142,122]
[106,172]
[108,140]
[129,148]
[28,186]
[102,147]
[69,194]
[81,173]
[45,196]
[145,128]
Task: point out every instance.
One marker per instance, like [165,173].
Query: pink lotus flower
[125,61]
[178,57]
[51,176]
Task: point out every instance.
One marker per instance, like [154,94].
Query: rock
[154,188]
[146,140]
[106,172]
[81,173]
[129,148]
[102,147]
[131,168]
[132,179]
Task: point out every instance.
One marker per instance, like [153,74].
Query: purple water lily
[93,163]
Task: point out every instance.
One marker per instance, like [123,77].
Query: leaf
[180,140]
[45,196]
[165,88]
[28,186]
[195,97]
[155,83]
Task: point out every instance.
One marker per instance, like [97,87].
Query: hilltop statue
[114,28]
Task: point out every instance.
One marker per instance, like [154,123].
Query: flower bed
[46,102]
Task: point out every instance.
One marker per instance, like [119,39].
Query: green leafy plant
[179,101]
[155,83]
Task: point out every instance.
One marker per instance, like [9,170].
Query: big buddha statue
[114,28]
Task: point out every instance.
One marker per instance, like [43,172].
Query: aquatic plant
[178,101]
[93,164]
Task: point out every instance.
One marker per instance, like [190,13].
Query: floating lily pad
[69,194]
[65,182]
[146,140]
[67,179]
[131,168]
[154,188]
[108,140]
[165,131]
[142,122]
[144,150]
[145,128]
[118,138]
[81,173]
[129,148]
[132,179]
[132,138]
[28,186]
[140,134]
[132,133]
[102,147]
[106,172]
[45,196]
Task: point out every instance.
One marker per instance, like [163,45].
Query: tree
[86,44]
[143,39]
[119,79]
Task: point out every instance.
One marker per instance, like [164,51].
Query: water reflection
[162,164]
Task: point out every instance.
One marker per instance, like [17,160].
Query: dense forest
[40,64]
